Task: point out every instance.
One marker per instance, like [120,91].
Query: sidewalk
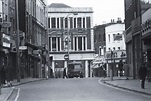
[6,91]
[131,84]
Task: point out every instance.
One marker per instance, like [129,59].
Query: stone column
[57,43]
[82,43]
[53,67]
[77,44]
[86,69]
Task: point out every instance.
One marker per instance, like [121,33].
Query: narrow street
[75,89]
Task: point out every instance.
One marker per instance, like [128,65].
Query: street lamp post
[113,63]
[68,36]
[111,69]
[0,54]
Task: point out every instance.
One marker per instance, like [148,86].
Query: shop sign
[66,57]
[6,40]
[22,47]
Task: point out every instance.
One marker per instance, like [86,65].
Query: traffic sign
[66,56]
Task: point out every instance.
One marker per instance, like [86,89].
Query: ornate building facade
[70,36]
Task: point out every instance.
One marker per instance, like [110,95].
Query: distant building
[115,37]
[70,36]
[115,46]
[109,38]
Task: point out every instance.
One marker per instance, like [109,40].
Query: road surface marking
[17,94]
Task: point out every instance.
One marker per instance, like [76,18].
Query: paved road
[75,89]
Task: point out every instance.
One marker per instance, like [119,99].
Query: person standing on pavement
[143,74]
[126,70]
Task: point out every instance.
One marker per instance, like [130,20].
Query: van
[75,70]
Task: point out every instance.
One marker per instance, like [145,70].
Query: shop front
[5,57]
[33,61]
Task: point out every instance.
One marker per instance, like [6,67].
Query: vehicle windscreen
[74,67]
[77,67]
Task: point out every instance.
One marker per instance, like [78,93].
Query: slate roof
[58,5]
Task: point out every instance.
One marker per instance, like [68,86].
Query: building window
[88,22]
[79,43]
[66,22]
[109,37]
[71,23]
[83,22]
[57,22]
[99,37]
[48,22]
[61,22]
[79,22]
[75,43]
[53,22]
[74,22]
[113,37]
[117,37]
[53,43]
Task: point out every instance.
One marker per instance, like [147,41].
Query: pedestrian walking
[64,73]
[104,71]
[143,74]
[120,67]
[126,70]
[51,72]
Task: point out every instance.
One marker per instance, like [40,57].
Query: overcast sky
[104,10]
